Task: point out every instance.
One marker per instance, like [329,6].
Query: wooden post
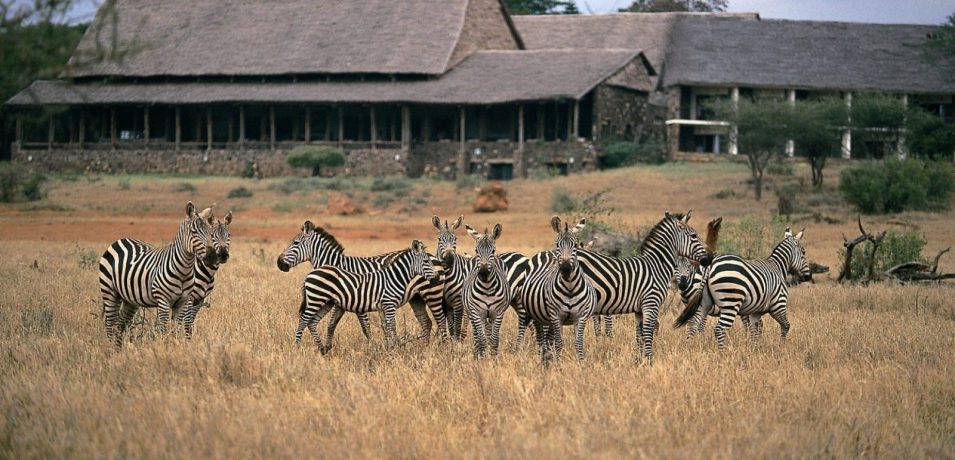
[462,135]
[482,124]
[208,128]
[405,127]
[19,130]
[263,129]
[178,127]
[146,125]
[570,122]
[230,137]
[308,125]
[734,130]
[341,126]
[198,126]
[112,126]
[328,125]
[426,128]
[540,122]
[374,128]
[295,119]
[50,132]
[519,161]
[242,127]
[166,126]
[272,127]
[556,121]
[82,128]
[576,129]
[511,126]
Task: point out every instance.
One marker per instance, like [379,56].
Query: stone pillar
[847,133]
[790,145]
[405,128]
[734,130]
[462,135]
[178,128]
[519,159]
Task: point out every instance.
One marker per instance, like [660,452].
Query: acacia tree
[814,127]
[541,7]
[661,6]
[761,131]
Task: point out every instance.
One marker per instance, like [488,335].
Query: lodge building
[434,87]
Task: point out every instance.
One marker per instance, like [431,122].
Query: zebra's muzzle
[283,265]
[706,260]
[223,255]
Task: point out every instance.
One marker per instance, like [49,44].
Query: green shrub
[561,201]
[780,168]
[307,184]
[398,185]
[314,158]
[18,184]
[617,154]
[240,192]
[898,246]
[184,187]
[724,194]
[751,237]
[896,186]
[123,184]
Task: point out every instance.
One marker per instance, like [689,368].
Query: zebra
[557,293]
[315,244]
[734,286]
[640,284]
[134,274]
[384,290]
[689,281]
[204,279]
[486,291]
[457,268]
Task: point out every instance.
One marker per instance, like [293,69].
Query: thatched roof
[804,54]
[255,37]
[647,32]
[486,77]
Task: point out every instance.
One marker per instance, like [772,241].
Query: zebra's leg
[496,332]
[126,314]
[555,331]
[649,327]
[434,301]
[309,317]
[164,313]
[421,314]
[477,330]
[540,333]
[597,319]
[779,314]
[391,330]
[365,325]
[727,318]
[457,309]
[638,332]
[608,325]
[333,320]
[523,320]
[579,330]
[112,306]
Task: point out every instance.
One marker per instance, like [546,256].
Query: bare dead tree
[913,271]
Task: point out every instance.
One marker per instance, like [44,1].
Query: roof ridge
[446,67]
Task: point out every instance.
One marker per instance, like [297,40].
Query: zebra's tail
[689,310]
[301,308]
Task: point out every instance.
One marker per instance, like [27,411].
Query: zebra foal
[205,274]
[134,274]
[485,292]
[385,290]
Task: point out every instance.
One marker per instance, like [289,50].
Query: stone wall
[439,159]
[622,114]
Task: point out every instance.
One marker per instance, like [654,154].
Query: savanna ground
[867,371]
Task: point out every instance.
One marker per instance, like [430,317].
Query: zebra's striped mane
[330,239]
[657,229]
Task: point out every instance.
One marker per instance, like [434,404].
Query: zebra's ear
[800,234]
[436,221]
[417,246]
[590,244]
[788,232]
[580,226]
[207,216]
[457,222]
[474,234]
[497,232]
[228,218]
[666,213]
[308,227]
[555,224]
[190,209]
[686,217]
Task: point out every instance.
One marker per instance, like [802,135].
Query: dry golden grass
[866,371]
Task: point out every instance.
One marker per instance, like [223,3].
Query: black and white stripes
[485,292]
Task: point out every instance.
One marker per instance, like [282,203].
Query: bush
[184,187]
[398,185]
[751,237]
[240,192]
[314,158]
[895,186]
[617,154]
[780,168]
[301,184]
[898,246]
[18,184]
[724,194]
[561,201]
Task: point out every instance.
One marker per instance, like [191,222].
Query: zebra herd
[566,285]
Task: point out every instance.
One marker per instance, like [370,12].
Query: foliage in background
[615,154]
[662,6]
[18,184]
[814,128]
[315,158]
[898,246]
[240,192]
[541,7]
[941,44]
[928,136]
[877,119]
[894,186]
[750,237]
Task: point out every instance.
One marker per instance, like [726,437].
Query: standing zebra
[486,292]
[734,286]
[384,290]
[457,268]
[689,278]
[639,285]
[134,274]
[315,244]
[204,280]
[557,293]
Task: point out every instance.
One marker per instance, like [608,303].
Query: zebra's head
[688,242]
[422,263]
[300,248]
[221,237]
[795,254]
[485,251]
[566,244]
[200,234]
[447,240]
[683,273]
